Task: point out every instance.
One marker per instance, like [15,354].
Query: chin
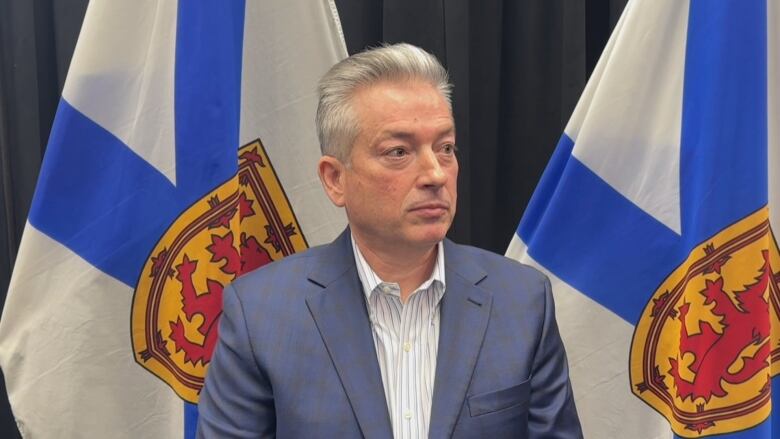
[432,235]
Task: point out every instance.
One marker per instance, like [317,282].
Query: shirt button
[407,346]
[407,415]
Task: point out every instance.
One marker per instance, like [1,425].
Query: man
[391,330]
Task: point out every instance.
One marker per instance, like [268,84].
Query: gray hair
[337,124]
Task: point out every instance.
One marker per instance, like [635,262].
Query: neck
[409,269]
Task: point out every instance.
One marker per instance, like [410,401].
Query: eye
[396,152]
[449,148]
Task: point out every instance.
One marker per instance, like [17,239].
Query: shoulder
[285,277]
[522,301]
[513,286]
[495,265]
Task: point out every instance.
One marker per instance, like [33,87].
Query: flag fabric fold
[182,155]
[655,217]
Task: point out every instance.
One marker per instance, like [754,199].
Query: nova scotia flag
[183,154]
[655,217]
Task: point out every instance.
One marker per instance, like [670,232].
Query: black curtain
[518,67]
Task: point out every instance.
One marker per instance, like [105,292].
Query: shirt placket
[397,374]
[411,318]
[427,339]
[385,335]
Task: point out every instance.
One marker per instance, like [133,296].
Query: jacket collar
[339,311]
[340,314]
[465,312]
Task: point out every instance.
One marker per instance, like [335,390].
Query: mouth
[431,209]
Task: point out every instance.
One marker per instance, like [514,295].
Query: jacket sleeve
[237,399]
[552,413]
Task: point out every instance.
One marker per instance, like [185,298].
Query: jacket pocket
[490,402]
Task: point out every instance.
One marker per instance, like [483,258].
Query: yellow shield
[707,343]
[241,225]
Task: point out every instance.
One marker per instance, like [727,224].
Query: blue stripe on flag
[723,160]
[98,198]
[190,420]
[109,206]
[724,120]
[545,190]
[587,220]
[775,418]
[574,215]
[209,47]
[209,44]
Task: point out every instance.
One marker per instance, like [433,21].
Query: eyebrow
[406,135]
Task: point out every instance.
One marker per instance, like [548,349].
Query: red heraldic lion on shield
[243,224]
[704,352]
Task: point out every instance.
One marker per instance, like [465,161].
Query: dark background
[518,67]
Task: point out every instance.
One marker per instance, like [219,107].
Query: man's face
[400,183]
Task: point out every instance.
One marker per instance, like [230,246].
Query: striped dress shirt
[406,337]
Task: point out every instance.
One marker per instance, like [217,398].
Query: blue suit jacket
[296,356]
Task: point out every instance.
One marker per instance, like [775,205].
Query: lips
[430,209]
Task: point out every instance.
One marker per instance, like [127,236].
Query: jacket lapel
[339,312]
[465,311]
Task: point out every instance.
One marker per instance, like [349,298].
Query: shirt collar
[371,281]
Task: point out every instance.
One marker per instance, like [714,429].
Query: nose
[431,171]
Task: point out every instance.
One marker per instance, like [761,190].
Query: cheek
[380,187]
[361,187]
[452,181]
[388,189]
[376,195]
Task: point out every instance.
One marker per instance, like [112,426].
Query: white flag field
[183,154]
[655,217]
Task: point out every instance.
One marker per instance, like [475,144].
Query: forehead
[385,102]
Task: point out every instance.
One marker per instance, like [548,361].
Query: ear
[331,172]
